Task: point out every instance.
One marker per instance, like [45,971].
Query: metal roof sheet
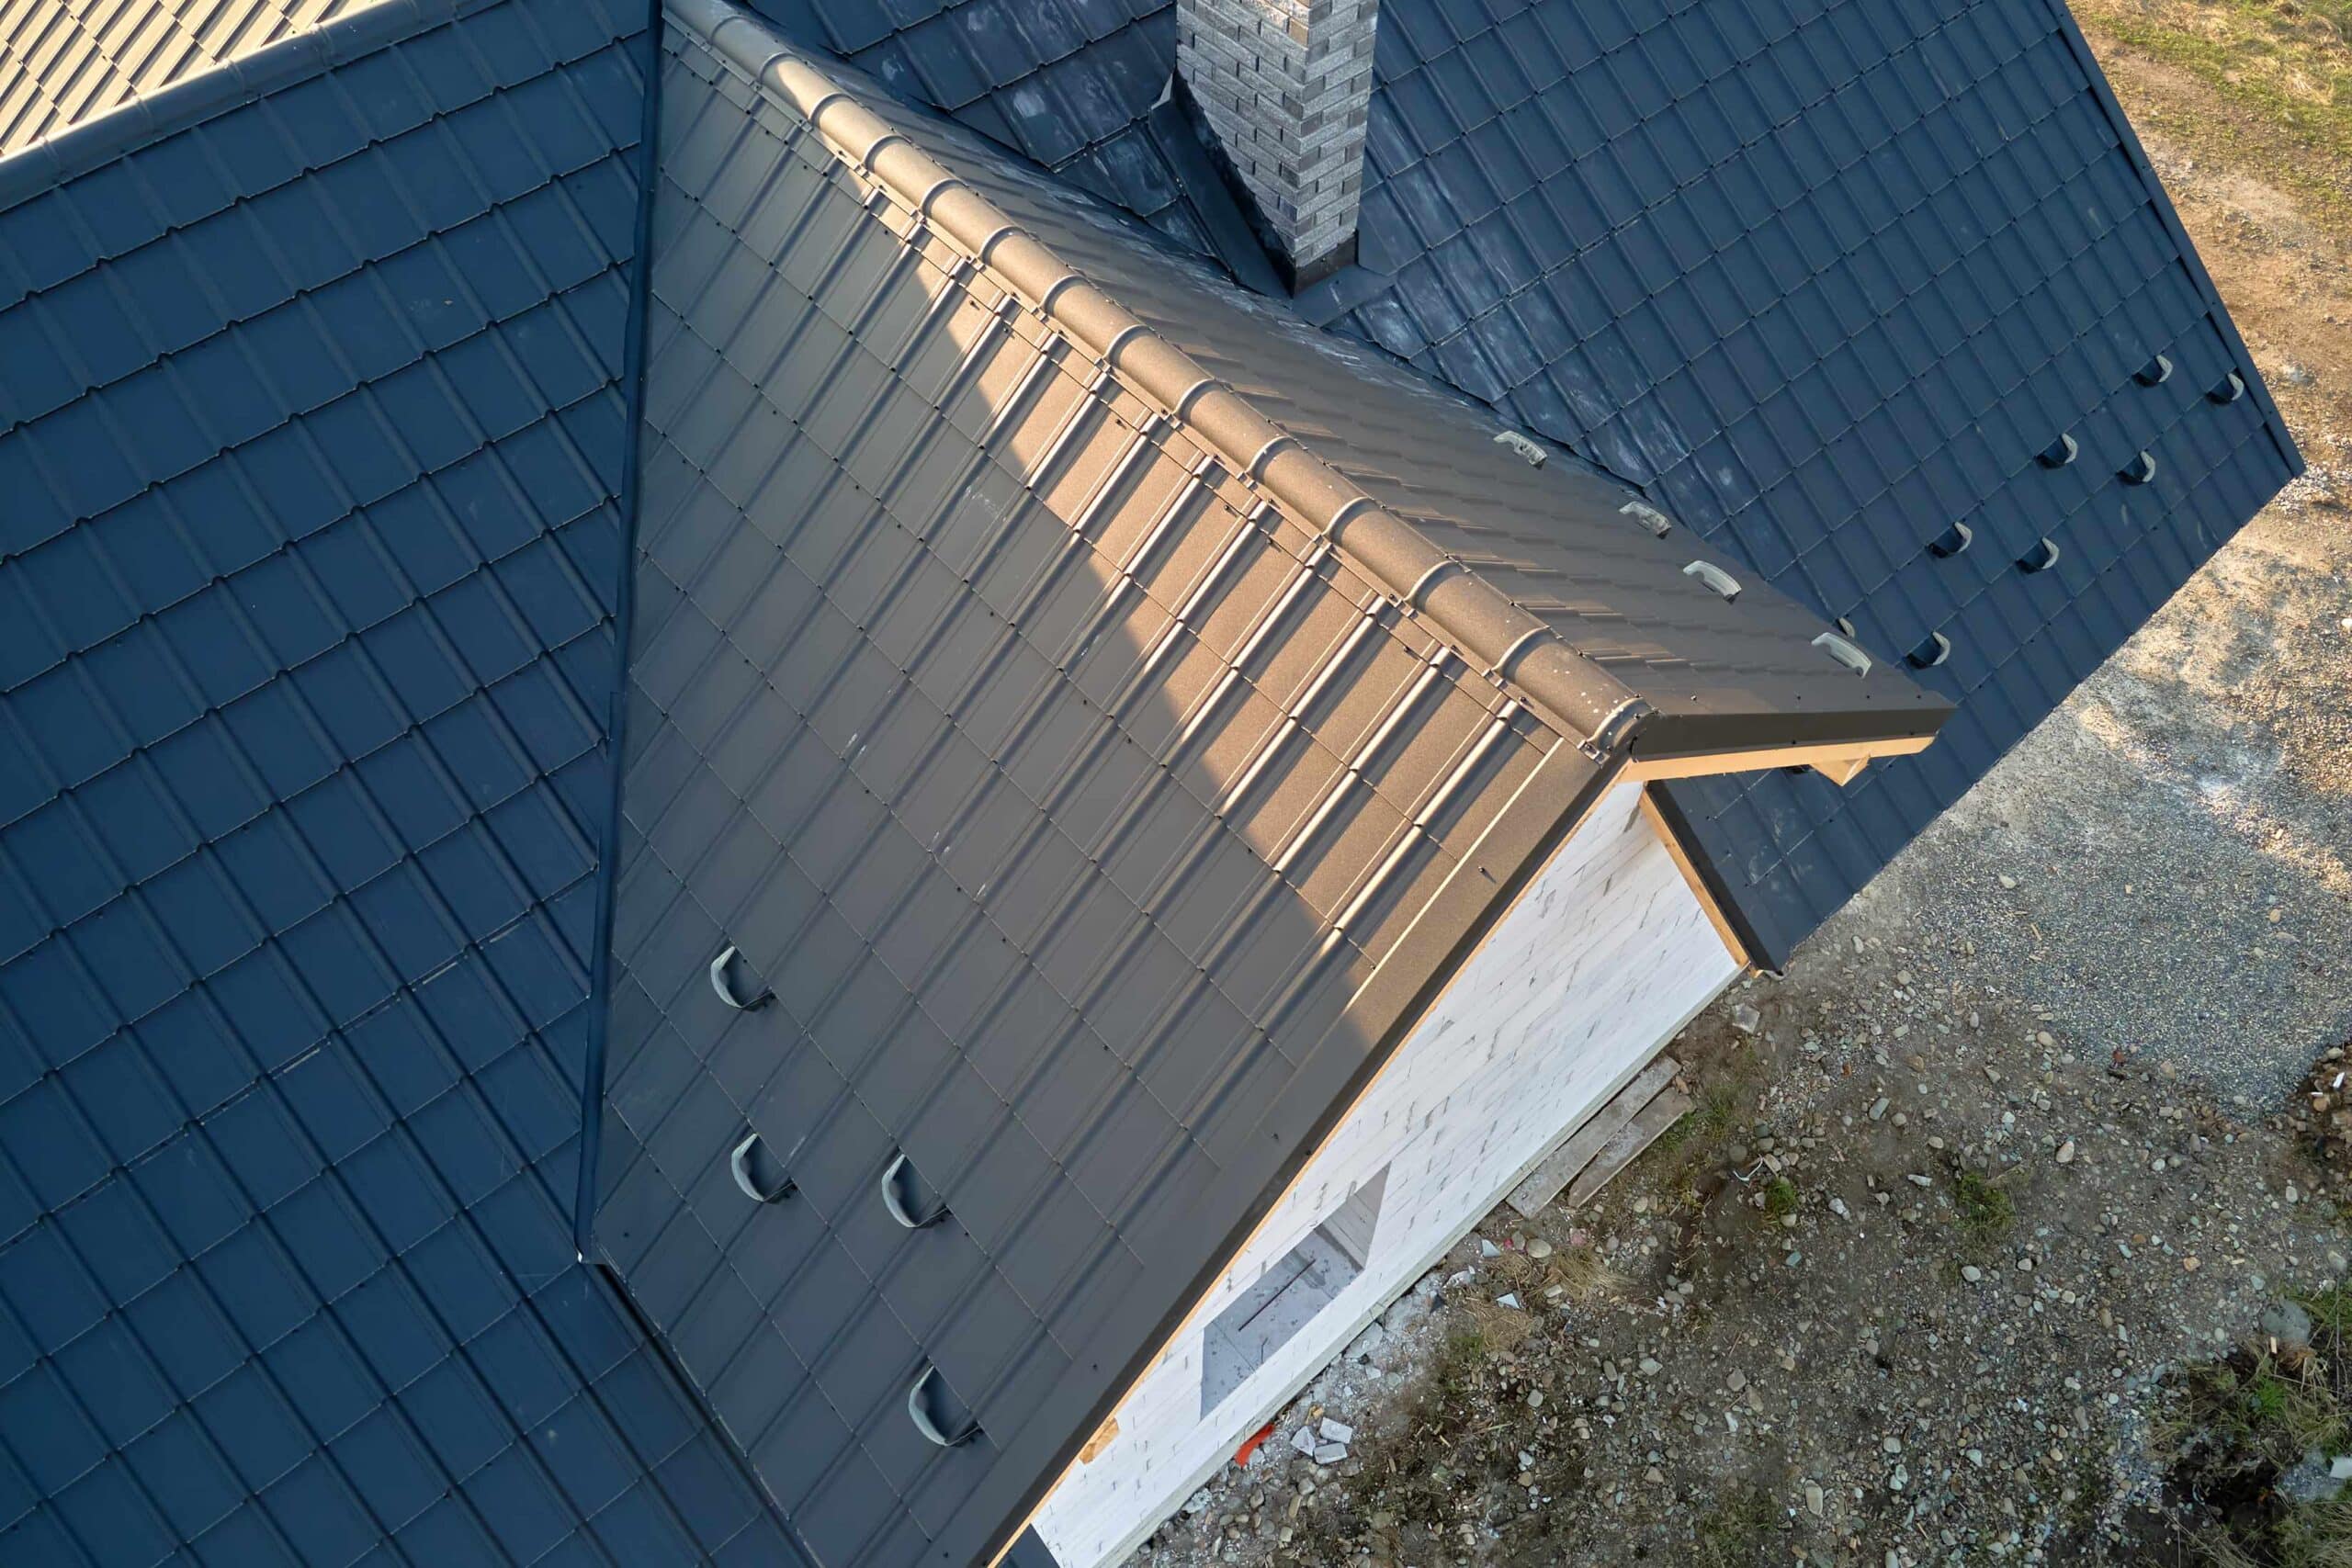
[1088,769]
[1070,84]
[957,706]
[1824,276]
[63,62]
[1551,537]
[1828,276]
[308,420]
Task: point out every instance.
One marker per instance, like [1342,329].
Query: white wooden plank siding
[1605,958]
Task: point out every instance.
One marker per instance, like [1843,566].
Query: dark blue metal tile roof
[1070,83]
[1058,809]
[309,416]
[1827,277]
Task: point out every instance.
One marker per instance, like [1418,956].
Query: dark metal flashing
[1237,228]
[1692,853]
[1340,258]
[1326,301]
[1208,187]
[1030,1551]
[146,119]
[591,1077]
[1661,737]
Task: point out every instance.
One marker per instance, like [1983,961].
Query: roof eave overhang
[1552,804]
[1665,745]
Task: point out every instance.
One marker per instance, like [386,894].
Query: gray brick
[1284,88]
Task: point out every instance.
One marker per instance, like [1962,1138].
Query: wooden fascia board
[1698,888]
[1839,759]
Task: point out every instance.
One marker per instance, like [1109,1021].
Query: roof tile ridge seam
[139,121]
[616,704]
[1573,692]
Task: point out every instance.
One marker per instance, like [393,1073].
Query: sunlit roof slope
[1075,714]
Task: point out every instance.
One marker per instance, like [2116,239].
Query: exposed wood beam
[1103,1437]
[1674,847]
[1840,761]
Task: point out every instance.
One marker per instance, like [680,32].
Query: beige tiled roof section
[1066,791]
[1535,576]
[63,62]
[1570,691]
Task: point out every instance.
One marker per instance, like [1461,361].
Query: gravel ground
[1904,1292]
[2163,864]
[2004,1151]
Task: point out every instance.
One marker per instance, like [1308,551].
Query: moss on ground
[1983,1210]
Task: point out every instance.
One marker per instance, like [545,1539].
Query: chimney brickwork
[1285,86]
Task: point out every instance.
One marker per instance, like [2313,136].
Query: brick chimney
[1285,86]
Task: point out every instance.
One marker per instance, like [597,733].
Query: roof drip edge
[1575,693]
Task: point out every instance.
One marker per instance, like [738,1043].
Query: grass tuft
[1985,1210]
[1735,1532]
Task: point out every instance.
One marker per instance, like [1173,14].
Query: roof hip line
[1574,693]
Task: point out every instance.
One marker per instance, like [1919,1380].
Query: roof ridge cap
[1570,690]
[139,121]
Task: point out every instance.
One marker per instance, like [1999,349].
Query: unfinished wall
[1603,959]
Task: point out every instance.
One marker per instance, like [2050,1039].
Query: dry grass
[2319,1535]
[1573,1274]
[1585,1277]
[2286,63]
[1500,1329]
[2237,1425]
